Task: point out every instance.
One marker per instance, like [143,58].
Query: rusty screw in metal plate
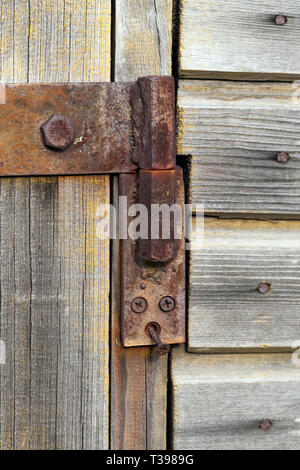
[162,348]
[265,424]
[283,157]
[166,304]
[58,132]
[281,20]
[139,305]
[263,287]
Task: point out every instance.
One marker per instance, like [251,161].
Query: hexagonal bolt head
[58,132]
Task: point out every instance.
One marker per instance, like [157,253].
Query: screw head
[166,304]
[58,132]
[263,288]
[139,305]
[283,157]
[163,349]
[281,20]
[265,424]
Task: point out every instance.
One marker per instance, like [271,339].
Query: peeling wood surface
[226,312]
[239,40]
[138,376]
[54,269]
[234,132]
[220,400]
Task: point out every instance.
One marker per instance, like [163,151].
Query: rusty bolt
[283,157]
[263,288]
[281,20]
[265,424]
[167,304]
[162,348]
[59,132]
[139,305]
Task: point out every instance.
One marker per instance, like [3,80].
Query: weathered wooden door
[66,381]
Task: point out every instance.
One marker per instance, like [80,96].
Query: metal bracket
[152,292]
[123,128]
[153,269]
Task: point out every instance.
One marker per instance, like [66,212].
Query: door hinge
[153,266]
[122,128]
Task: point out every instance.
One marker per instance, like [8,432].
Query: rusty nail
[59,132]
[167,304]
[283,157]
[265,424]
[263,288]
[143,285]
[280,20]
[162,348]
[139,305]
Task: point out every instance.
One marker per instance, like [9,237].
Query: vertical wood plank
[138,377]
[82,391]
[69,40]
[14,30]
[15,313]
[143,38]
[54,319]
[44,312]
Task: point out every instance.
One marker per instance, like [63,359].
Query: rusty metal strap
[100,114]
[85,128]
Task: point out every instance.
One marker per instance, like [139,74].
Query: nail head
[283,157]
[280,20]
[263,288]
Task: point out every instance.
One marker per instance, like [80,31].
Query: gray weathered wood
[234,131]
[82,373]
[238,39]
[15,313]
[54,277]
[220,400]
[226,311]
[138,376]
[143,38]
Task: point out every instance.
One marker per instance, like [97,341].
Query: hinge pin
[162,348]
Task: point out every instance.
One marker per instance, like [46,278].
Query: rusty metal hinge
[122,128]
[153,268]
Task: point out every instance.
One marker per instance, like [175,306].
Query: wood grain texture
[83,355]
[138,376]
[234,39]
[226,311]
[143,38]
[54,270]
[234,132]
[220,400]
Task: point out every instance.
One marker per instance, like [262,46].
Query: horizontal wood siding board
[234,132]
[143,38]
[220,400]
[226,311]
[228,37]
